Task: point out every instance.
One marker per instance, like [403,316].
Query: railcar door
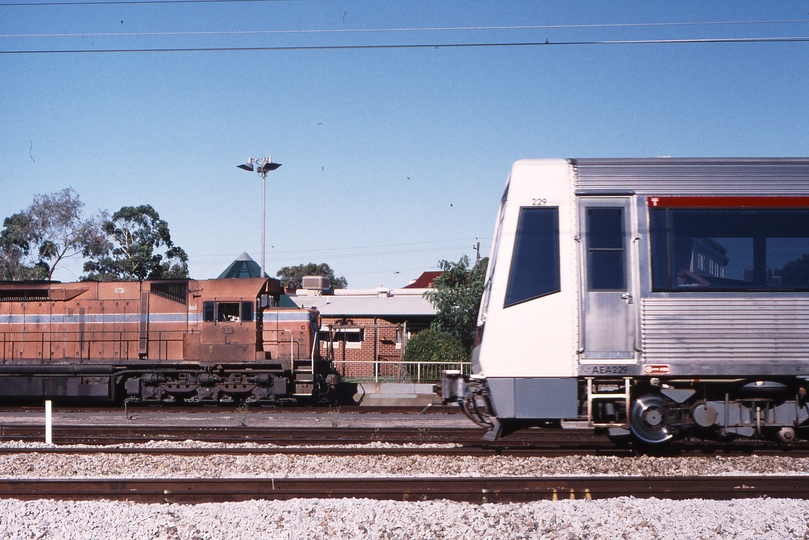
[608,295]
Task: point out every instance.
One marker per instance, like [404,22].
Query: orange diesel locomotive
[217,341]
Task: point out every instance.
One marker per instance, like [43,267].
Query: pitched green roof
[243,267]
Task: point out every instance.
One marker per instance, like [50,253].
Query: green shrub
[434,346]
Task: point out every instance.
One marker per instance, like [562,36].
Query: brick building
[366,329]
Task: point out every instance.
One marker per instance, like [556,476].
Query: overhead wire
[131,2]
[402,30]
[791,39]
[391,30]
[347,253]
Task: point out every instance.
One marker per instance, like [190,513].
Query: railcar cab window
[761,244]
[227,311]
[535,264]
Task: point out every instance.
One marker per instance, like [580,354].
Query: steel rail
[475,490]
[331,435]
[538,442]
[465,451]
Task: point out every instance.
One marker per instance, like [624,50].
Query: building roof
[243,267]
[367,302]
[424,281]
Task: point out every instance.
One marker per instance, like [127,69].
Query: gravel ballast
[364,519]
[370,519]
[303,465]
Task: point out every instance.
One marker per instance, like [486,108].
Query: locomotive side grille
[23,295]
[175,291]
[690,329]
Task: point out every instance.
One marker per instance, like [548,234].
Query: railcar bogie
[659,298]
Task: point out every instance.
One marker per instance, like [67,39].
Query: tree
[292,276]
[134,237]
[795,273]
[49,231]
[433,345]
[14,249]
[456,297]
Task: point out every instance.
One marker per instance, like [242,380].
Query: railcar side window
[535,264]
[605,249]
[729,249]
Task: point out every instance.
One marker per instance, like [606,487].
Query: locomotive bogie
[660,298]
[214,341]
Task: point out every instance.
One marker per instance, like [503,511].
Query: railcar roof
[710,176]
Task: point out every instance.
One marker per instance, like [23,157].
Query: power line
[348,252]
[355,248]
[131,2]
[398,30]
[388,30]
[697,41]
[315,254]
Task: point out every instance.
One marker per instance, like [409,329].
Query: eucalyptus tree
[137,247]
[36,240]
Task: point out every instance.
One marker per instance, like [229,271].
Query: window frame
[211,311]
[665,244]
[524,255]
[595,274]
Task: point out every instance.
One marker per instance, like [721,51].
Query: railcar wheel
[648,420]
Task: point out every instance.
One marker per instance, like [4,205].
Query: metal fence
[396,371]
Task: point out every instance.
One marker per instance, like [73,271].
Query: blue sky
[393,158]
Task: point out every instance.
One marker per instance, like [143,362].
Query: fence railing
[396,371]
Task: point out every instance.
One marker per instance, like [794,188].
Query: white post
[48,422]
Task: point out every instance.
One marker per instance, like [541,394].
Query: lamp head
[247,166]
[269,167]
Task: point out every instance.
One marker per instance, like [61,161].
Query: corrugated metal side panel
[709,176]
[688,329]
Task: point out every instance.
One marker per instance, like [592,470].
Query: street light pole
[262,166]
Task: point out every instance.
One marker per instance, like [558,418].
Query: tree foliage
[138,246]
[433,345]
[292,276]
[795,273]
[34,241]
[456,297]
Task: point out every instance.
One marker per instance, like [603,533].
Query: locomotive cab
[229,330]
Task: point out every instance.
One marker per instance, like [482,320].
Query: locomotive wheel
[648,420]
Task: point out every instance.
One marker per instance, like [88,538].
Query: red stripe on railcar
[727,202]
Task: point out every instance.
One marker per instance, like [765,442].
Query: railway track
[476,490]
[339,441]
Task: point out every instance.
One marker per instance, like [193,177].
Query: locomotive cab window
[535,264]
[729,248]
[227,311]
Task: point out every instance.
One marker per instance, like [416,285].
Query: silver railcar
[654,297]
